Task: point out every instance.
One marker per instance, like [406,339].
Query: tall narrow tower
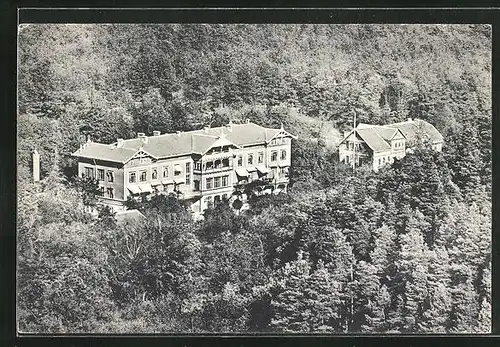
[36,166]
[355,140]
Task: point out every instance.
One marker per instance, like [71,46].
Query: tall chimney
[119,143]
[156,133]
[247,120]
[140,135]
[36,166]
[409,119]
[230,126]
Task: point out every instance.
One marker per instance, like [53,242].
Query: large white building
[202,166]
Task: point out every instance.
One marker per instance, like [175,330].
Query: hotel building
[202,166]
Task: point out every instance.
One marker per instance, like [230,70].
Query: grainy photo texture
[254,178]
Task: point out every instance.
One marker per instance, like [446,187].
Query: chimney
[119,143]
[409,119]
[143,137]
[36,166]
[205,129]
[247,120]
[230,126]
[156,133]
[178,133]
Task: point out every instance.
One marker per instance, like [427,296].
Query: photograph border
[228,15]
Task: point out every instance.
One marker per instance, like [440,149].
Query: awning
[156,183]
[283,165]
[251,169]
[177,168]
[145,187]
[242,172]
[179,180]
[167,181]
[263,170]
[134,189]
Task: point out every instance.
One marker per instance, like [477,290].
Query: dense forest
[404,250]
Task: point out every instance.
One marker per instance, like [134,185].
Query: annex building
[379,145]
[203,166]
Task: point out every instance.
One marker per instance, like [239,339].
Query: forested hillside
[407,249]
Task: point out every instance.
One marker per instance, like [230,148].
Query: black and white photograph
[194,178]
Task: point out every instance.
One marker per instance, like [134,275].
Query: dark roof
[378,137]
[183,143]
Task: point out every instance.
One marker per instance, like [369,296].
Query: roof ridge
[206,135]
[382,138]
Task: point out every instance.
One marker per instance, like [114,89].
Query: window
[111,176]
[209,182]
[177,170]
[188,168]
[216,182]
[101,191]
[154,174]
[383,160]
[100,174]
[143,176]
[209,165]
[111,193]
[240,160]
[144,160]
[216,199]
[283,155]
[379,161]
[188,179]
[218,164]
[224,196]
[224,181]
[209,201]
[89,172]
[196,185]
[165,171]
[197,166]
[274,155]
[225,162]
[250,159]
[347,159]
[260,159]
[283,170]
[131,178]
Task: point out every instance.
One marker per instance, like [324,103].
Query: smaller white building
[381,144]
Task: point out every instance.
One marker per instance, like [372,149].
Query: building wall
[115,168]
[381,159]
[148,164]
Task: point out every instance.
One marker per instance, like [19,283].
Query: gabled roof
[373,139]
[378,137]
[410,130]
[183,143]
